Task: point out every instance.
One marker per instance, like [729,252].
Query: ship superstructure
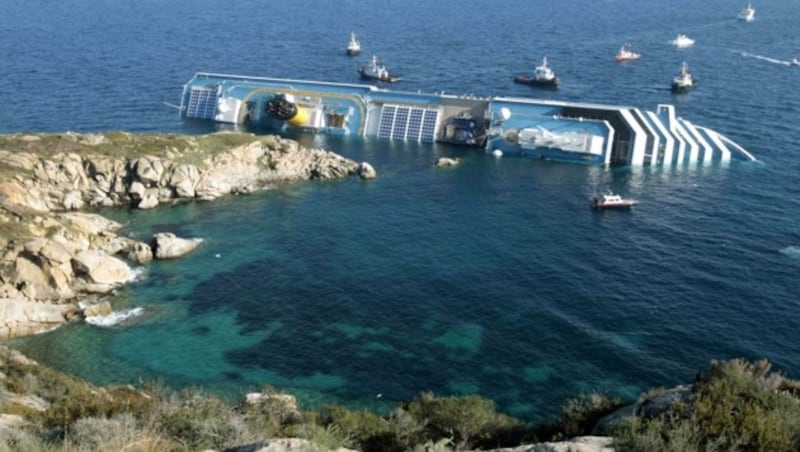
[556,130]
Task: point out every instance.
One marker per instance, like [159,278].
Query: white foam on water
[766,58]
[105,321]
[137,273]
[791,251]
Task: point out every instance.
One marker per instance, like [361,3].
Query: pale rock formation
[19,317]
[149,199]
[73,200]
[184,179]
[102,308]
[287,401]
[447,161]
[101,268]
[577,444]
[12,421]
[148,170]
[167,246]
[366,171]
[31,279]
[15,193]
[140,253]
[286,445]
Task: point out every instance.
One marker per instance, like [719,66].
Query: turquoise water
[494,276]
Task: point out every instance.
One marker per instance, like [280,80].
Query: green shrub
[658,435]
[469,421]
[580,414]
[738,406]
[324,438]
[199,422]
[368,431]
[270,416]
[82,403]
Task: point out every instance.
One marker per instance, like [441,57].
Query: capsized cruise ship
[546,129]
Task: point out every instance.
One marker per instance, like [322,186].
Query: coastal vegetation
[734,405]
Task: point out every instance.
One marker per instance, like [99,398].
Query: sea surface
[492,277]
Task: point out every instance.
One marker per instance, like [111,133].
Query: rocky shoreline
[60,263]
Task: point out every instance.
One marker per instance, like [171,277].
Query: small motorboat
[795,62]
[542,76]
[682,41]
[747,14]
[626,54]
[610,200]
[353,47]
[377,72]
[683,82]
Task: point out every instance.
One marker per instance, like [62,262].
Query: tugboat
[377,72]
[682,41]
[353,47]
[683,82]
[626,54]
[747,14]
[610,200]
[542,76]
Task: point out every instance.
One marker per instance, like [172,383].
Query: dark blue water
[492,277]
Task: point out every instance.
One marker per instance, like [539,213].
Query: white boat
[682,41]
[683,82]
[795,62]
[626,54]
[610,200]
[747,14]
[353,47]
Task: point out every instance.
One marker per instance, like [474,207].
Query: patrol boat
[546,129]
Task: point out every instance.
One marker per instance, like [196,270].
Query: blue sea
[492,277]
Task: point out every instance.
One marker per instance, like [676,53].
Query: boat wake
[791,251]
[115,318]
[766,58]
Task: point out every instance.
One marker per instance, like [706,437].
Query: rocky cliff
[56,260]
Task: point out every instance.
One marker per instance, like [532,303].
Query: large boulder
[19,317]
[13,192]
[32,279]
[447,161]
[140,253]
[651,405]
[166,245]
[366,171]
[100,268]
[148,170]
[184,180]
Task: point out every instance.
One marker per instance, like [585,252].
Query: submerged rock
[447,161]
